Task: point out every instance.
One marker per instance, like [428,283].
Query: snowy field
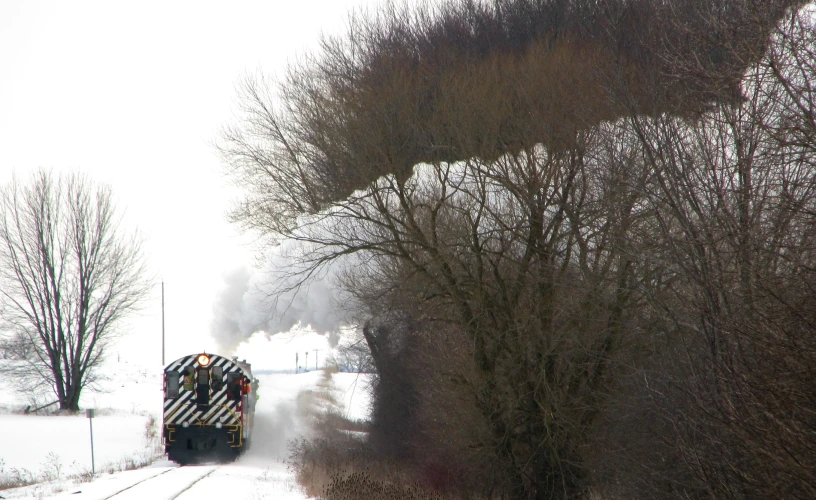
[54,450]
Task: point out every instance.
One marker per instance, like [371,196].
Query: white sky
[134,93]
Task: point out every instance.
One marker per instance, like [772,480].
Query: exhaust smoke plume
[268,300]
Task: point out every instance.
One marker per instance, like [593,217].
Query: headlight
[185,424]
[203,360]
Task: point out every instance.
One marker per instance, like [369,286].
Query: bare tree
[354,357]
[732,195]
[519,254]
[69,275]
[472,176]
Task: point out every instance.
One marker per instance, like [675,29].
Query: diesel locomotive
[209,407]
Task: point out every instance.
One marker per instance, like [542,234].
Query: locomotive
[209,408]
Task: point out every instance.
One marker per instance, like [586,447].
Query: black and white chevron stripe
[184,408]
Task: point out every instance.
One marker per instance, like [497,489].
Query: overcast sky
[134,94]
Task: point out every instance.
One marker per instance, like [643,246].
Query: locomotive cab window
[188,378]
[234,386]
[217,378]
[171,384]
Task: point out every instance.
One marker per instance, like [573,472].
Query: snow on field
[127,410]
[51,446]
[42,444]
[354,393]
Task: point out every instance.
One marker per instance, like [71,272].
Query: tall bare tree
[733,194]
[69,275]
[515,251]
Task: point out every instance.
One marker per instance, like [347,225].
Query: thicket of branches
[583,235]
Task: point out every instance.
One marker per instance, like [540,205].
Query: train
[209,408]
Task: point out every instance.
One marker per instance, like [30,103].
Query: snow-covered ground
[127,421]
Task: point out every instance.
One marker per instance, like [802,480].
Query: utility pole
[306,364]
[297,367]
[162,322]
[316,358]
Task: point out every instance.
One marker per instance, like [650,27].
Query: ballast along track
[166,485]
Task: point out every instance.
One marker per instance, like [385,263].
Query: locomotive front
[209,405]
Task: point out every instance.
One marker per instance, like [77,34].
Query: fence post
[90,414]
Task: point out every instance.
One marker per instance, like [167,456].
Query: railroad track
[166,485]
